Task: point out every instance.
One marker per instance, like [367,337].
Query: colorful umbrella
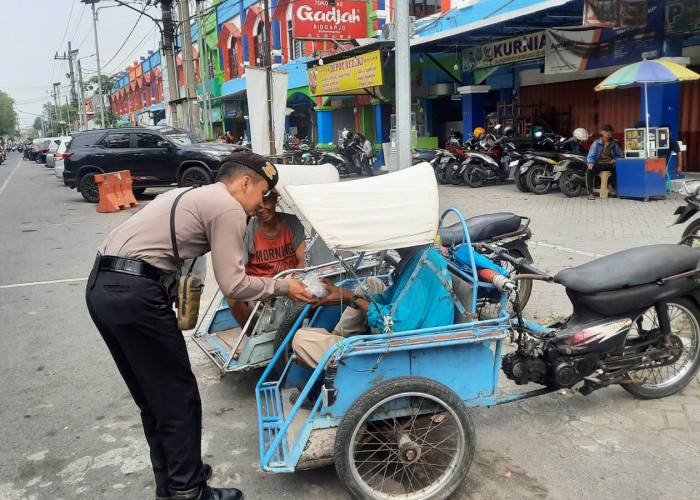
[643,73]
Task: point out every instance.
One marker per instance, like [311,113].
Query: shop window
[233,58]
[213,54]
[422,8]
[259,45]
[290,40]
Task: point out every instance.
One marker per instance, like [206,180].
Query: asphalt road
[71,431]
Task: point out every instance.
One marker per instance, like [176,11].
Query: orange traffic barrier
[126,189]
[111,188]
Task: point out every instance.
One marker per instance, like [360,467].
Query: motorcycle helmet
[580,134]
[304,147]
[508,131]
[478,131]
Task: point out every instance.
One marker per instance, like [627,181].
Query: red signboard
[315,19]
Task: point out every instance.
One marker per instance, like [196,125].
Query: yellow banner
[347,75]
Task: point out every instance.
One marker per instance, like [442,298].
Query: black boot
[206,493]
[206,472]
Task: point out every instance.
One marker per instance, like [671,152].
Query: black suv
[156,157]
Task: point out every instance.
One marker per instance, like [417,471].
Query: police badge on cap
[257,163]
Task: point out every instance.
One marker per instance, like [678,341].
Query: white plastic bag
[314,285]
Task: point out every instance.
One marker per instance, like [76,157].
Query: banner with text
[682,16]
[505,51]
[581,49]
[345,76]
[615,13]
[317,20]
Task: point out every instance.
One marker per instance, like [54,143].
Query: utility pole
[204,71]
[73,93]
[403,84]
[71,75]
[169,56]
[57,110]
[195,125]
[81,111]
[97,56]
[267,56]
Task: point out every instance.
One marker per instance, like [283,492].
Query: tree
[8,116]
[38,124]
[107,86]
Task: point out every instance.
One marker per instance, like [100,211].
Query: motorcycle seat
[628,268]
[552,155]
[481,228]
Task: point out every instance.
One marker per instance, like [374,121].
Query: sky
[34,30]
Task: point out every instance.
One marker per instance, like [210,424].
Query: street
[71,430]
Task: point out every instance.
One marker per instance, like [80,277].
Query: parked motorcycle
[421,155]
[446,163]
[357,154]
[570,174]
[506,229]
[492,162]
[691,195]
[635,322]
[540,172]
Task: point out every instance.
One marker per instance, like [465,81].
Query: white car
[53,147]
[59,156]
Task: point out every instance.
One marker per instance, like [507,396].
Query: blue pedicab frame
[464,357]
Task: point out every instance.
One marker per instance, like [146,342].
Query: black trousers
[136,321]
[597,168]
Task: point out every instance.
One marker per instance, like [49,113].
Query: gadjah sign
[316,20]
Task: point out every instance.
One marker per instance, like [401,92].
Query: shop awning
[476,17]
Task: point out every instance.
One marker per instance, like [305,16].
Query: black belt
[134,267]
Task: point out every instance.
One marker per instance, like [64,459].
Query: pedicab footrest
[271,418]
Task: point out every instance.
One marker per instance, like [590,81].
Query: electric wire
[70,16]
[127,38]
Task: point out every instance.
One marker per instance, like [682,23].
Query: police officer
[129,297]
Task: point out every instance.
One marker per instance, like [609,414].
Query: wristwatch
[353,301]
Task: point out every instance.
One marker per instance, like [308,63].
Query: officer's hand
[297,291]
[590,166]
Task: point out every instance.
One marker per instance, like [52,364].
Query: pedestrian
[220,139]
[229,138]
[673,147]
[129,297]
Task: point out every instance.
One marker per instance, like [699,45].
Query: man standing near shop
[129,297]
[602,157]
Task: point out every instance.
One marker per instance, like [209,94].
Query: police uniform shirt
[207,219]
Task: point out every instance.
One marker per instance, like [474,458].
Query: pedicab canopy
[396,210]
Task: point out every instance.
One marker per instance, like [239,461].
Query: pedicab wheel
[286,325]
[669,372]
[408,437]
